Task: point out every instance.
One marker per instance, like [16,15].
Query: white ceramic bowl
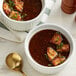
[33,63]
[22,25]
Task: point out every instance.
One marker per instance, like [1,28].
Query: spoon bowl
[14,62]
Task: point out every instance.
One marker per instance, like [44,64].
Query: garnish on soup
[28,9]
[49,48]
[11,4]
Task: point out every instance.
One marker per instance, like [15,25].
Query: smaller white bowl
[22,25]
[33,63]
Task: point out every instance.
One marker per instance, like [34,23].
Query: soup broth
[49,47]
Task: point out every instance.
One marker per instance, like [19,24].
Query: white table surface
[57,17]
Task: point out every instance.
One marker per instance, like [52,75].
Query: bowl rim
[42,66]
[28,21]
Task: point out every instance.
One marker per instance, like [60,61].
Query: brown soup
[49,47]
[22,10]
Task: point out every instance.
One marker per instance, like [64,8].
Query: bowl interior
[42,11]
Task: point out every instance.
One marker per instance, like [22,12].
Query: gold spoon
[14,62]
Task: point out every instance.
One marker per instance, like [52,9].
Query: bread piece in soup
[19,6]
[15,15]
[51,53]
[6,8]
[64,48]
[56,39]
[58,60]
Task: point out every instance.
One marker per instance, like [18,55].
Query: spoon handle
[23,73]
